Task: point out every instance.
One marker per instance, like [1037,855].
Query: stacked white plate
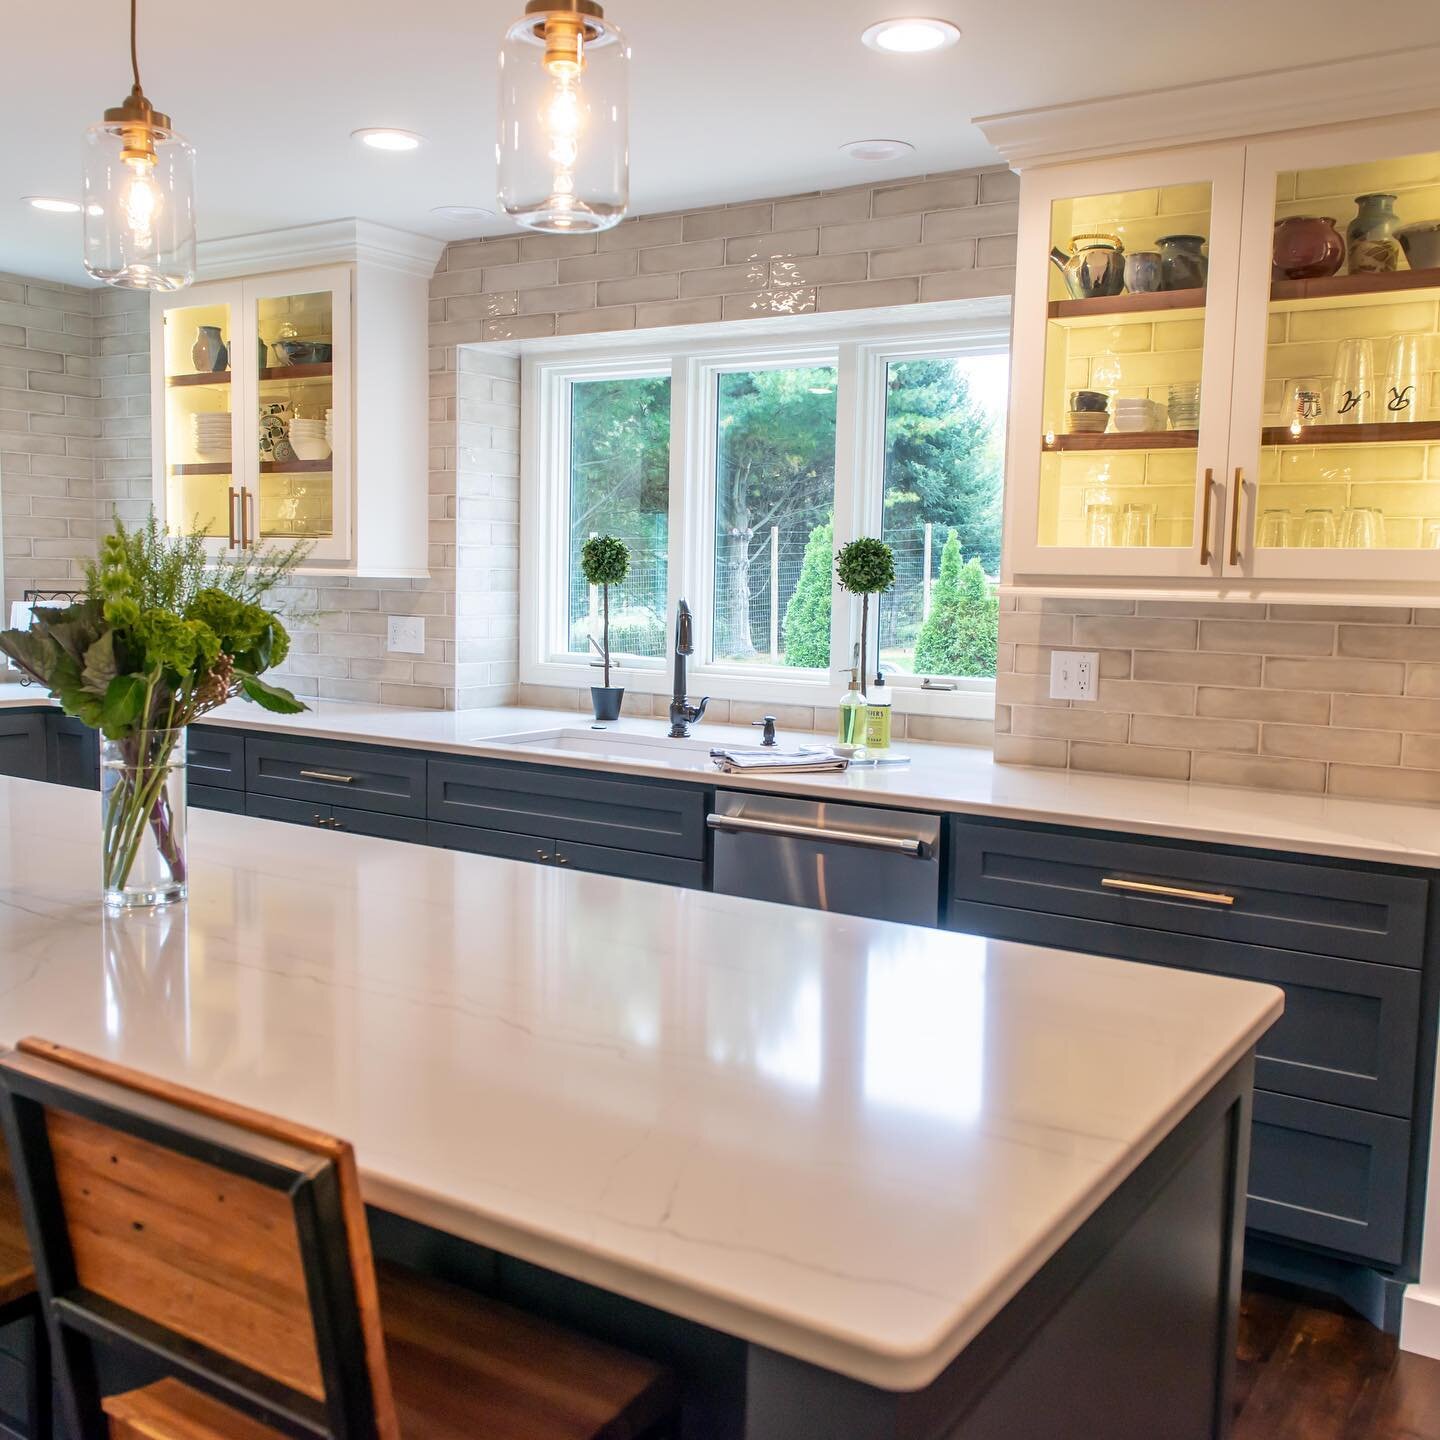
[308,439]
[1138,414]
[330,427]
[212,435]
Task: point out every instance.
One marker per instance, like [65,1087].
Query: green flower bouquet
[163,635]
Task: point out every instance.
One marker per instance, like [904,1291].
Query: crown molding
[1364,87]
[328,243]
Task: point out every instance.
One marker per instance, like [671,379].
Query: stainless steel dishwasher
[850,858]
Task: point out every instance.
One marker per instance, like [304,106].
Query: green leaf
[123,704]
[268,697]
[100,665]
[33,651]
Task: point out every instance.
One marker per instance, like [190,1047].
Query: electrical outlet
[405,634]
[1074,674]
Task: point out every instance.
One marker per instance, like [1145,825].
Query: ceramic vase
[606,701]
[1307,247]
[1183,265]
[209,353]
[1370,243]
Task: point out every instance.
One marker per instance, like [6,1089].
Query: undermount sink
[691,754]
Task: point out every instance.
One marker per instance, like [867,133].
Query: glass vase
[142,817]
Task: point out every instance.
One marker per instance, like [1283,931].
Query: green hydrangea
[179,644]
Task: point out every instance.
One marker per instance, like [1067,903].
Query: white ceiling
[730,101]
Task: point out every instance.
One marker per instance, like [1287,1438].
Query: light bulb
[140,202]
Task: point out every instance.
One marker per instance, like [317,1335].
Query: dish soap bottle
[850,732]
[877,716]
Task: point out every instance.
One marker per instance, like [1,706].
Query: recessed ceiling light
[462,212]
[876,149]
[911,36]
[383,139]
[48,202]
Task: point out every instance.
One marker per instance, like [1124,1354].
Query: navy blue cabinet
[338,817]
[215,758]
[72,752]
[360,777]
[1341,1088]
[22,744]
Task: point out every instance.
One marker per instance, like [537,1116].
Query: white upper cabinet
[292,403]
[1262,420]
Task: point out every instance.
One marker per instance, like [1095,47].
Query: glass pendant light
[563,147]
[139,196]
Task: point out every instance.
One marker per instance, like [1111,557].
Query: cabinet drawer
[215,797]
[1323,909]
[502,843]
[360,777]
[215,757]
[294,812]
[72,752]
[1350,1031]
[338,818]
[632,864]
[1329,1176]
[620,814]
[22,745]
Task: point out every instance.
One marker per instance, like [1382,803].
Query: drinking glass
[1274,532]
[1431,535]
[1318,529]
[1100,524]
[1404,371]
[1137,529]
[1362,529]
[1353,394]
[1305,404]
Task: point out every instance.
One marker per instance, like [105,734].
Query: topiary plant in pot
[606,562]
[865,567]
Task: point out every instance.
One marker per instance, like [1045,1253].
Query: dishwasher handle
[901,845]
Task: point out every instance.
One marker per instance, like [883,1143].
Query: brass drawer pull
[327,775]
[1172,892]
[1235,518]
[1205,518]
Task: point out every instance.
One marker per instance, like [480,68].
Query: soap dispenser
[854,716]
[878,711]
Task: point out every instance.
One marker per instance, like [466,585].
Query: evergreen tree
[807,615]
[960,636]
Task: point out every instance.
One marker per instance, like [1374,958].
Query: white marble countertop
[847,1140]
[955,778]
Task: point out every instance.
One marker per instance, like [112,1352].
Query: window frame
[860,356]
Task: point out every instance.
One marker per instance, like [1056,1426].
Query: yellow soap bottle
[854,719]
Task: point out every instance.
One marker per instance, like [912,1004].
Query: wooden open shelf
[1335,287]
[1128,440]
[1397,432]
[217,377]
[275,372]
[267,467]
[1145,304]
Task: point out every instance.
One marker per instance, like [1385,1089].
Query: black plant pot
[606,700]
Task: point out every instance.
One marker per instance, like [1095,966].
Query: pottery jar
[209,353]
[1371,246]
[1142,271]
[1096,268]
[1183,265]
[1307,247]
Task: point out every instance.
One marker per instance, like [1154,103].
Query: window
[774,485]
[620,485]
[941,502]
[733,472]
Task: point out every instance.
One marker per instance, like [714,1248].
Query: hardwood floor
[1311,1372]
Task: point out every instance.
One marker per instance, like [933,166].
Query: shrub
[961,634]
[807,613]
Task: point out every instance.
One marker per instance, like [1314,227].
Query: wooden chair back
[229,1246]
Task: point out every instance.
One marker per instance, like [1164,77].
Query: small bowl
[1421,244]
[309,447]
[1094,400]
[302,352]
[1087,422]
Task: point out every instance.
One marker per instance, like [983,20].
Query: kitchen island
[854,1179]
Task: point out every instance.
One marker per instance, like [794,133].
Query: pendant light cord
[134,52]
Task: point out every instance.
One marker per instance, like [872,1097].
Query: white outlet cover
[405,634]
[1074,674]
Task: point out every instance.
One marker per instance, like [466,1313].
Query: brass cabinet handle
[541,855]
[327,775]
[247,516]
[230,516]
[1235,518]
[1173,892]
[1205,518]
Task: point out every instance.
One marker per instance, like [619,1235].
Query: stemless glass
[1318,529]
[1361,529]
[1274,531]
[1137,526]
[1353,395]
[1404,371]
[1430,538]
[1305,404]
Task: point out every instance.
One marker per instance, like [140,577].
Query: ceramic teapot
[1097,266]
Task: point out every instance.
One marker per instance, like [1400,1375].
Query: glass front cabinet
[253,424]
[1227,366]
